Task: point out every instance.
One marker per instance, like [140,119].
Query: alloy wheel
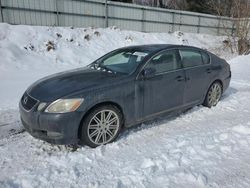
[214,94]
[103,127]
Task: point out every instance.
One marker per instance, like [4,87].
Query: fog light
[41,106]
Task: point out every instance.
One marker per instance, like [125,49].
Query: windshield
[122,61]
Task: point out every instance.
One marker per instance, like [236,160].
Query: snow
[241,129]
[200,148]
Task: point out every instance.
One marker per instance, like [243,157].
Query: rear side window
[205,57]
[191,58]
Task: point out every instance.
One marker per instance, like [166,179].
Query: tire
[213,95]
[101,126]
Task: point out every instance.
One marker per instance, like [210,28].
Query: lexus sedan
[125,87]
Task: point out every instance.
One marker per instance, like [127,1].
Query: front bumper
[53,128]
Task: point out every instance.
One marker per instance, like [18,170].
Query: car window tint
[205,57]
[191,58]
[123,61]
[164,62]
[125,57]
[120,58]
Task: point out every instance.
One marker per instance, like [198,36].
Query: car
[125,87]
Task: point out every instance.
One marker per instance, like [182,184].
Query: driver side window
[165,62]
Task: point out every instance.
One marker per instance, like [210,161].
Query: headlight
[64,105]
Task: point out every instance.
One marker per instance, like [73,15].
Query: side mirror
[148,72]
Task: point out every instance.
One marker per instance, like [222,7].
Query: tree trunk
[243,46]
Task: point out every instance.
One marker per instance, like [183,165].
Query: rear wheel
[213,95]
[101,126]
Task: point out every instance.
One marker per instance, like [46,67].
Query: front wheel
[101,126]
[213,95]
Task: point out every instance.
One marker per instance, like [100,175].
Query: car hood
[65,83]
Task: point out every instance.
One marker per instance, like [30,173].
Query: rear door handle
[209,70]
[180,78]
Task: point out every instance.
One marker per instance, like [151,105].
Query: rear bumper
[226,82]
[52,128]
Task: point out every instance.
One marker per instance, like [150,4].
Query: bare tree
[239,11]
[156,3]
[177,4]
[189,5]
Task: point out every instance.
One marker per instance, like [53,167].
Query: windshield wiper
[97,66]
[106,68]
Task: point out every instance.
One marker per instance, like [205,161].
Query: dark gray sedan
[124,87]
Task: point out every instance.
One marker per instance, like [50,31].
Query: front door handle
[180,78]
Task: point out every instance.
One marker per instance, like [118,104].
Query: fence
[101,13]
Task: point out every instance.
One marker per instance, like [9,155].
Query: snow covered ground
[201,148]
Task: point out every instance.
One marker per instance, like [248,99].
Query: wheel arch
[220,81]
[104,103]
[216,80]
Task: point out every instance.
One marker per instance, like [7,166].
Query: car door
[163,83]
[197,69]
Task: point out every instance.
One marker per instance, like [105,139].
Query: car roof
[153,48]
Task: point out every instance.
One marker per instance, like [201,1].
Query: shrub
[87,37]
[58,35]
[50,45]
[97,33]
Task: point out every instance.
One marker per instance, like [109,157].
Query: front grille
[28,102]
